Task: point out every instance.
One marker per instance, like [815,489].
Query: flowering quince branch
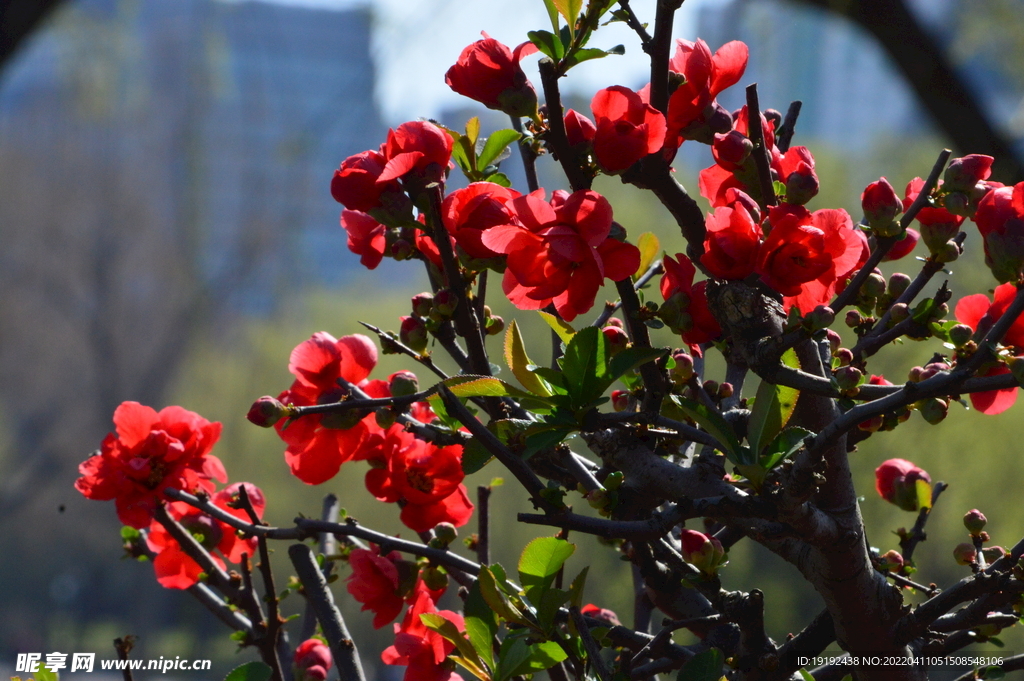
[676,444]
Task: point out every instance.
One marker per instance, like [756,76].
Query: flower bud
[725,390]
[385,417]
[899,312]
[801,187]
[872,425]
[957,203]
[711,387]
[674,312]
[682,372]
[896,481]
[965,553]
[854,319]
[614,480]
[948,253]
[874,286]
[402,383]
[598,499]
[848,378]
[266,411]
[445,302]
[445,533]
[880,203]
[413,334]
[494,325]
[620,400]
[402,249]
[993,553]
[936,234]
[703,552]
[960,334]
[834,340]
[898,283]
[434,578]
[891,561]
[819,318]
[615,321]
[844,355]
[963,173]
[616,339]
[312,660]
[974,521]
[422,304]
[605,615]
[732,148]
[933,409]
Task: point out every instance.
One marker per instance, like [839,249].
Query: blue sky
[415,41]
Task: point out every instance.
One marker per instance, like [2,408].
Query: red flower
[1000,219]
[319,443]
[579,129]
[374,583]
[174,568]
[562,252]
[731,244]
[677,288]
[607,616]
[151,452]
[980,314]
[965,172]
[692,104]
[423,651]
[627,128]
[480,206]
[425,478]
[796,171]
[355,185]
[417,149]
[489,72]
[938,225]
[312,660]
[896,481]
[366,237]
[904,246]
[734,167]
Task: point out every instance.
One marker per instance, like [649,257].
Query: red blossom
[489,73]
[355,185]
[417,149]
[177,570]
[962,174]
[374,583]
[627,128]
[731,244]
[318,444]
[880,203]
[312,660]
[468,212]
[579,130]
[607,616]
[677,284]
[904,246]
[366,237]
[424,478]
[734,168]
[692,106]
[562,252]
[796,171]
[420,649]
[1000,219]
[896,480]
[150,452]
[938,225]
[979,313]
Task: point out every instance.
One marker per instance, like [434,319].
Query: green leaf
[555,378]
[706,666]
[580,56]
[806,675]
[481,637]
[548,43]
[547,609]
[552,14]
[545,438]
[712,421]
[474,456]
[496,143]
[562,328]
[469,150]
[44,674]
[497,600]
[585,365]
[540,562]
[473,131]
[477,608]
[773,407]
[924,493]
[783,446]
[499,179]
[649,246]
[991,673]
[631,358]
[250,671]
[577,586]
[513,653]
[570,9]
[447,629]
[518,361]
[541,656]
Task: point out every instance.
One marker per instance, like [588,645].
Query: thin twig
[388,340]
[761,152]
[656,268]
[661,52]
[910,540]
[597,662]
[784,135]
[346,657]
[268,651]
[634,23]
[528,156]
[483,537]
[123,646]
[556,138]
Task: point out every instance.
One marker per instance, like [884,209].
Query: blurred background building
[168,236]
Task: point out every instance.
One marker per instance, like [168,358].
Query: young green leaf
[540,562]
[649,246]
[705,666]
[714,423]
[562,328]
[541,656]
[570,9]
[585,365]
[470,659]
[552,14]
[631,358]
[519,362]
[783,446]
[481,637]
[577,586]
[548,43]
[496,143]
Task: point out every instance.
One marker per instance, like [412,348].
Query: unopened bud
[874,286]
[963,173]
[891,561]
[948,253]
[899,312]
[674,312]
[434,578]
[598,499]
[974,521]
[445,302]
[960,334]
[402,383]
[494,325]
[898,283]
[703,552]
[957,203]
[725,390]
[965,553]
[445,533]
[422,304]
[801,187]
[933,409]
[872,425]
[993,553]
[615,321]
[819,318]
[266,411]
[616,339]
[620,400]
[402,249]
[385,417]
[834,341]
[844,355]
[880,203]
[848,378]
[682,372]
[413,334]
[711,387]
[854,319]
[732,148]
[614,480]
